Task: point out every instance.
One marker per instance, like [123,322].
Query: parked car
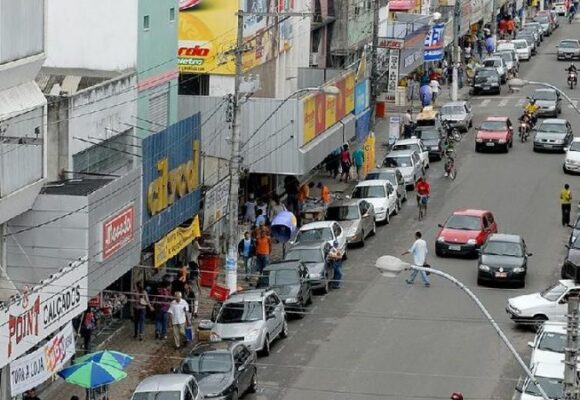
[495,133]
[409,163]
[572,260]
[168,386]
[510,59]
[549,344]
[552,134]
[414,144]
[523,49]
[575,233]
[550,304]
[392,175]
[503,45]
[356,217]
[254,317]
[568,49]
[551,379]
[223,370]
[549,102]
[555,19]
[464,232]
[503,259]
[497,63]
[530,39]
[458,114]
[382,195]
[328,231]
[289,279]
[572,158]
[433,140]
[486,80]
[536,30]
[313,255]
[560,8]
[545,21]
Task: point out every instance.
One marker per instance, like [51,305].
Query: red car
[495,133]
[465,231]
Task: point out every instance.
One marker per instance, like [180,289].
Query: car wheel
[235,395]
[345,256]
[564,169]
[397,207]
[479,282]
[309,301]
[266,347]
[362,239]
[538,321]
[301,311]
[512,143]
[284,333]
[325,284]
[507,148]
[405,196]
[439,253]
[470,124]
[374,228]
[254,385]
[388,218]
[476,149]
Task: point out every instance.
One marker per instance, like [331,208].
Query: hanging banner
[369,151]
[216,203]
[393,80]
[36,368]
[476,11]
[412,52]
[174,242]
[465,17]
[435,43]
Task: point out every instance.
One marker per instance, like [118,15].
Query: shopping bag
[189,333]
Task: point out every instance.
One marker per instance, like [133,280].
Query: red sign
[385,43]
[23,325]
[118,230]
[320,121]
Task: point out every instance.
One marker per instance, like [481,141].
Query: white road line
[575,102]
[484,102]
[281,348]
[503,103]
[521,102]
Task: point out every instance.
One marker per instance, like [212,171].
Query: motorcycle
[451,133]
[524,131]
[572,79]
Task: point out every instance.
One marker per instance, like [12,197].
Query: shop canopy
[401,5]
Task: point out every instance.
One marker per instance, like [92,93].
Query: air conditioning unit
[313,59]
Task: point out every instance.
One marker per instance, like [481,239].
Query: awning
[401,5]
[20,99]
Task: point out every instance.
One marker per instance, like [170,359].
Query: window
[159,111]
[146,22]
[172,14]
[194,85]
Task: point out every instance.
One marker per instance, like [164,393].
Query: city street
[381,338]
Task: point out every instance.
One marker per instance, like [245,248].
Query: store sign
[38,314]
[435,43]
[387,43]
[36,368]
[174,242]
[216,203]
[321,111]
[117,231]
[361,96]
[393,79]
[171,178]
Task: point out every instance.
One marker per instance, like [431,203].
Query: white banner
[43,311]
[216,203]
[393,77]
[35,368]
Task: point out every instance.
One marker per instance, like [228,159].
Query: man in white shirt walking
[178,310]
[419,252]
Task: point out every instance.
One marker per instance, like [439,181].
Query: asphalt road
[380,338]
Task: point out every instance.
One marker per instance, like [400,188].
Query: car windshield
[493,126]
[211,362]
[520,45]
[410,146]
[464,222]
[569,44]
[173,395]
[575,146]
[450,110]
[551,341]
[544,95]
[554,387]
[368,192]
[503,249]
[491,63]
[342,213]
[278,277]
[393,162]
[554,292]
[389,176]
[507,57]
[485,73]
[430,134]
[314,235]
[233,313]
[305,255]
[542,19]
[552,128]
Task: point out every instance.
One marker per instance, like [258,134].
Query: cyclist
[449,163]
[571,68]
[532,108]
[423,189]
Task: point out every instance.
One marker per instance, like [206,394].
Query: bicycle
[423,206]
[450,169]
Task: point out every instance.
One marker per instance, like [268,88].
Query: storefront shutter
[159,111]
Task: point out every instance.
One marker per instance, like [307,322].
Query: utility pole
[571,351]
[374,64]
[494,21]
[455,57]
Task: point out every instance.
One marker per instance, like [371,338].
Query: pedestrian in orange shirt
[324,193]
[263,249]
[304,193]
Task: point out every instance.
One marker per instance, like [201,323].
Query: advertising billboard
[171,178]
[117,231]
[322,111]
[411,55]
[435,43]
[362,96]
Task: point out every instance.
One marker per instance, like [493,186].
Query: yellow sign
[170,185]
[309,113]
[369,150]
[174,242]
[330,111]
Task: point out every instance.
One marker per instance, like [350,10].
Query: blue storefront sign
[435,43]
[361,96]
[171,178]
[362,125]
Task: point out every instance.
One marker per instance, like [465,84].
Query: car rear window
[493,126]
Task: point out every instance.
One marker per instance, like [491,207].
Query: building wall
[360,23]
[107,42]
[221,85]
[21,29]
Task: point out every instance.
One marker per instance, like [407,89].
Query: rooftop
[75,187]
[69,81]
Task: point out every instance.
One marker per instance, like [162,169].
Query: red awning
[401,5]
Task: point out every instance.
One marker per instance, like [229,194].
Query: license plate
[548,146]
[501,274]
[490,144]
[486,87]
[454,248]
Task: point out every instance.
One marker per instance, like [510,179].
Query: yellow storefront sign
[369,151]
[309,108]
[174,242]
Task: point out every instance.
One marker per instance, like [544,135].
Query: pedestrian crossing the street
[501,102]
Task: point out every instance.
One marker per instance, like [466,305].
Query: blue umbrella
[91,374]
[113,358]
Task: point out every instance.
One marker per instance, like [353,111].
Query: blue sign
[171,178]
[362,125]
[435,43]
[361,96]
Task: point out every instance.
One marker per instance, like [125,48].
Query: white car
[549,344]
[572,159]
[169,386]
[497,63]
[551,379]
[550,304]
[414,144]
[327,231]
[381,194]
[559,8]
[523,50]
[408,162]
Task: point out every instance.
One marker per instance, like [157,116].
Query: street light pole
[391,266]
[455,59]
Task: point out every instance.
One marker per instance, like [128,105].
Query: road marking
[281,348]
[484,102]
[503,103]
[575,104]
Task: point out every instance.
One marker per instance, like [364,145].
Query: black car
[575,231]
[503,259]
[224,370]
[570,268]
[486,80]
[432,138]
[289,279]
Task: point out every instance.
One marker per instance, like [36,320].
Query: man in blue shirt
[261,218]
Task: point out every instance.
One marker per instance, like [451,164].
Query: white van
[168,387]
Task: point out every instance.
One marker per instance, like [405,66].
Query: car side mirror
[241,367]
[530,254]
[520,385]
[566,148]
[531,344]
[567,246]
[270,315]
[440,225]
[173,370]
